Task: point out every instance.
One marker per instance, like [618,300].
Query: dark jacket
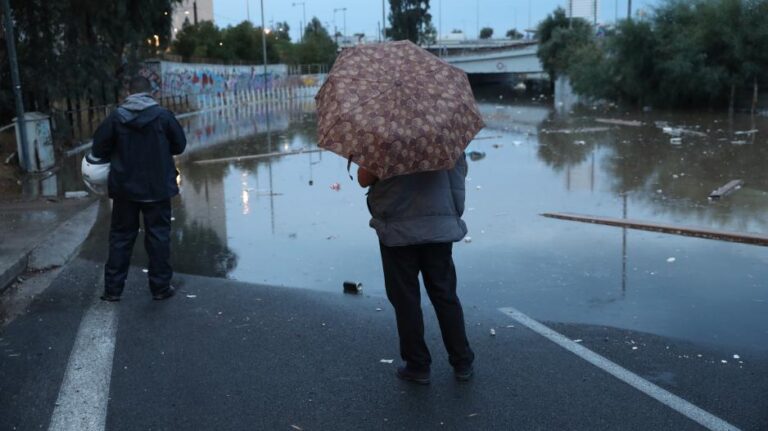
[140,138]
[421,208]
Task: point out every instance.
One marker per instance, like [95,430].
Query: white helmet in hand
[95,173]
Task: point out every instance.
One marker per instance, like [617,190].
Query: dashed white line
[669,399]
[84,393]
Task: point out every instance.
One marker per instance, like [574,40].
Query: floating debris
[191,296]
[745,132]
[76,194]
[740,142]
[676,141]
[476,155]
[736,357]
[468,239]
[617,122]
[578,340]
[580,143]
[493,332]
[671,259]
[145,270]
[727,189]
[387,361]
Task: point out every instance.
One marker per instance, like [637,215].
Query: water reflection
[277,220]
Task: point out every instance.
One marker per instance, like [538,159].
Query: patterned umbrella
[394,109]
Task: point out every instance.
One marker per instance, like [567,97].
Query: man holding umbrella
[405,117]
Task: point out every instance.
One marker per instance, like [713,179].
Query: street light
[303,17]
[344,10]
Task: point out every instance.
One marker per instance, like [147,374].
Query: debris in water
[498,145]
[634,347]
[745,132]
[76,194]
[352,287]
[145,270]
[387,361]
[580,143]
[191,296]
[336,187]
[736,357]
[476,155]
[297,428]
[173,218]
[676,141]
[578,340]
[379,309]
[471,415]
[631,123]
[740,142]
[510,326]
[723,361]
[671,259]
[493,332]
[467,239]
[727,189]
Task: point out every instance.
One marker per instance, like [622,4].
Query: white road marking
[84,393]
[670,400]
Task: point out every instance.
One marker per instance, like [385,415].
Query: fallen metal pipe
[255,156]
[743,238]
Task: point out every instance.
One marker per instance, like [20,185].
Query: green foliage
[514,34]
[80,47]
[318,46]
[243,44]
[486,33]
[688,53]
[409,19]
[559,38]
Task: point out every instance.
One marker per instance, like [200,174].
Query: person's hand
[365,178]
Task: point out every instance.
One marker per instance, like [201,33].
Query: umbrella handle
[349,167]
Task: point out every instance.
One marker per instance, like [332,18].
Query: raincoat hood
[138,110]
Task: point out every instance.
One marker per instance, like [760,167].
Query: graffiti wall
[173,79]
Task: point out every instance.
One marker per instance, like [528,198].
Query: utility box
[39,155]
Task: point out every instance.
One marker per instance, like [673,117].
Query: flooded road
[277,220]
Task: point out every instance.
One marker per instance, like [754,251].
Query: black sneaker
[165,294]
[109,297]
[419,377]
[464,374]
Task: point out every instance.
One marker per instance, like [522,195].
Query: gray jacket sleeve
[457,177]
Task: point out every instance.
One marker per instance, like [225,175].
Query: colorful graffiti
[174,79]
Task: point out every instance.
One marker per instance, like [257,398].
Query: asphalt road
[224,355]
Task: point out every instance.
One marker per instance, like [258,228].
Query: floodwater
[277,220]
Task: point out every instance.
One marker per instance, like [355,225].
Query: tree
[514,34]
[79,48]
[486,33]
[559,38]
[409,19]
[318,46]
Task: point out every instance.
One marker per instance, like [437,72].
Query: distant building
[190,11]
[587,9]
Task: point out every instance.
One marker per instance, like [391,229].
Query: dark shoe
[464,374]
[409,375]
[110,298]
[165,294]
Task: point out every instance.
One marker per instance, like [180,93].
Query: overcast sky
[363,16]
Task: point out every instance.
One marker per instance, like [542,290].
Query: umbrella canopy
[394,109]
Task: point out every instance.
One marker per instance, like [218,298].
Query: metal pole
[248,10]
[629,9]
[345,21]
[264,52]
[194,9]
[383,23]
[10,40]
[478,19]
[440,21]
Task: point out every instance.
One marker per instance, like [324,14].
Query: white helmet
[95,173]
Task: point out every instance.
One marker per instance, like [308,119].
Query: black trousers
[402,266]
[157,243]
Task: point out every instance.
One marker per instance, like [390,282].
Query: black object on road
[352,287]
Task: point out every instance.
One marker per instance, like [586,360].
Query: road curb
[56,248]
